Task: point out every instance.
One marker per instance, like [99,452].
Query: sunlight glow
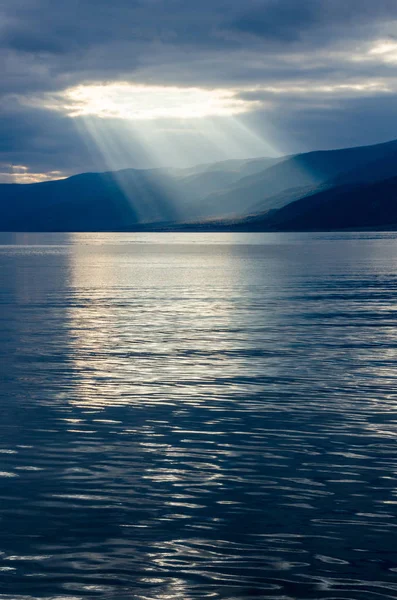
[380,51]
[144,102]
[137,125]
[341,89]
[386,49]
[22,174]
[123,143]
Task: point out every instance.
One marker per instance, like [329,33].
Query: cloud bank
[310,74]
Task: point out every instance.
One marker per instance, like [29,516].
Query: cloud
[10,173]
[295,65]
[132,102]
[290,21]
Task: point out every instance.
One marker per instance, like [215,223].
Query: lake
[192,416]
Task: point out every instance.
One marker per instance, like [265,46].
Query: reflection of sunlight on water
[212,420]
[142,319]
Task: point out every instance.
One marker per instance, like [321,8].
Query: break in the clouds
[91,85]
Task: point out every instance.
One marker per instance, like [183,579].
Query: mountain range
[349,188]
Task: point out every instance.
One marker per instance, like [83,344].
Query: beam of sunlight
[151,194]
[175,143]
[164,129]
[182,143]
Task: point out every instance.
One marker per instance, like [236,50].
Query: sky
[95,85]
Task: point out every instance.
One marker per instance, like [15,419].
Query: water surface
[197,416]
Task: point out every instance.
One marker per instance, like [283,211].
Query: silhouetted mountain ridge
[261,191]
[347,188]
[364,206]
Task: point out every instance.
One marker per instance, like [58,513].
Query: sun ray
[176,135]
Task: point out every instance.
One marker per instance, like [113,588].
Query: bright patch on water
[198,416]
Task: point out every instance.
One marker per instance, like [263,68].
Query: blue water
[198,416]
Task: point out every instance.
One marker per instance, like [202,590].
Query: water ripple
[198,417]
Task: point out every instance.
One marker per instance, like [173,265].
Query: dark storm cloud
[54,44]
[48,46]
[44,141]
[302,126]
[283,21]
[291,20]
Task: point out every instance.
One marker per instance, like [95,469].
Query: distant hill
[347,188]
[367,206]
[118,200]
[270,189]
[88,202]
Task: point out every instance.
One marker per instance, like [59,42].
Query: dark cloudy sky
[190,81]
